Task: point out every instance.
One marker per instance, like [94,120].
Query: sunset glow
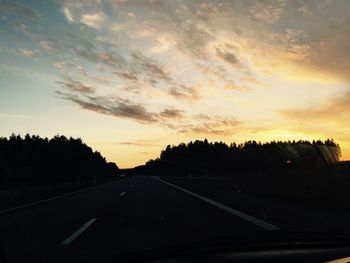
[130,77]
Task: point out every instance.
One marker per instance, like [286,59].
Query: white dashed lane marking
[77,233]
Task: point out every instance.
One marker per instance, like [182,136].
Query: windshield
[129,127]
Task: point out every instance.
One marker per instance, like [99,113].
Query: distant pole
[94,179]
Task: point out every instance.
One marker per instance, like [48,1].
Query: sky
[130,77]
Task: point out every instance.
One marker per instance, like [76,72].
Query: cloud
[267,12]
[68,15]
[203,124]
[110,58]
[171,113]
[195,28]
[305,11]
[133,66]
[306,42]
[86,12]
[167,27]
[76,86]
[231,85]
[118,27]
[149,66]
[20,10]
[227,120]
[217,71]
[95,20]
[205,129]
[47,45]
[128,75]
[168,117]
[180,65]
[184,93]
[131,14]
[336,109]
[117,107]
[193,40]
[27,53]
[209,128]
[141,143]
[222,75]
[251,80]
[228,57]
[86,98]
[87,54]
[232,59]
[63,66]
[211,125]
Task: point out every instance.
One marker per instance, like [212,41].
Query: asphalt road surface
[145,213]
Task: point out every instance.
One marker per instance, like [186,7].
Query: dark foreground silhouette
[202,157]
[308,172]
[35,160]
[33,167]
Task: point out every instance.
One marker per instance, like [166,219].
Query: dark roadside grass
[21,195]
[323,188]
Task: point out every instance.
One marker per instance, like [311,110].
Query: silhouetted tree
[202,156]
[35,159]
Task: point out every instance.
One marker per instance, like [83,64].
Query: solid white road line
[123,193]
[251,219]
[70,239]
[53,198]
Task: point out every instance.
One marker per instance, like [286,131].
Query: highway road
[139,213]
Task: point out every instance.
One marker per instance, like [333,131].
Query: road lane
[155,215]
[137,214]
[37,231]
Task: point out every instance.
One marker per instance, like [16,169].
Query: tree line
[32,159]
[203,156]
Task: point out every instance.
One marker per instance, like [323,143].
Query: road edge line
[249,218]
